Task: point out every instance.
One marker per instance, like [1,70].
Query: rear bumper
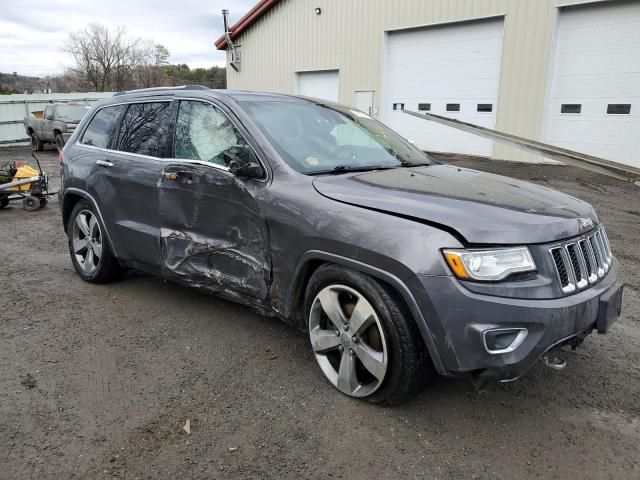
[457,318]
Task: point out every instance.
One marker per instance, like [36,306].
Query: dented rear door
[213,234]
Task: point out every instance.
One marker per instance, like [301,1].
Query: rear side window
[144,129]
[102,126]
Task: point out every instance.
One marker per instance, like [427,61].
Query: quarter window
[101,128]
[144,129]
[204,132]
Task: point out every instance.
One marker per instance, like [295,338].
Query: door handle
[104,163]
[182,176]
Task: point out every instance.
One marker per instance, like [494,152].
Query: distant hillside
[163,75]
[14,83]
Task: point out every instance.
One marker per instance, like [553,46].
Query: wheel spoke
[89,263]
[96,246]
[79,245]
[331,306]
[81,221]
[362,316]
[372,360]
[323,340]
[347,380]
[93,227]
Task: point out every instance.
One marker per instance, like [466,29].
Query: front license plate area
[609,308]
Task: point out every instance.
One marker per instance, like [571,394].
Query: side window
[203,132]
[101,127]
[144,129]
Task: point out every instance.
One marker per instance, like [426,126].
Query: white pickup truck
[56,124]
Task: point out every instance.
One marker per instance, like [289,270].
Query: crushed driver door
[213,233]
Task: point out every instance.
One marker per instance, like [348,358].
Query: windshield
[72,113]
[315,139]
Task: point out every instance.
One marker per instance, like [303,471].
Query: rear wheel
[364,339]
[36,143]
[4,202]
[89,249]
[59,142]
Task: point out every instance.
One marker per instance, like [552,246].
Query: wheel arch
[313,259]
[69,200]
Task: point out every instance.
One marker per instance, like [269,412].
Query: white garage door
[593,103]
[451,70]
[323,84]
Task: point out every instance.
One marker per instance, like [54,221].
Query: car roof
[201,91]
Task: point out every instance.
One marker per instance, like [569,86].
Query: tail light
[61,157]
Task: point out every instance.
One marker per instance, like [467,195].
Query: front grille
[583,261]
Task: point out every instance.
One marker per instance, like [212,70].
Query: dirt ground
[98,381]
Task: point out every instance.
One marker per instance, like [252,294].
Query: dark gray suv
[397,266]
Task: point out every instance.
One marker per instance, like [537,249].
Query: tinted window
[619,108]
[203,132]
[570,108]
[102,126]
[485,107]
[144,129]
[453,107]
[424,107]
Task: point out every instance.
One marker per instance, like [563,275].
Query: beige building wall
[349,36]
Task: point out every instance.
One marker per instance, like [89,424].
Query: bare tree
[111,60]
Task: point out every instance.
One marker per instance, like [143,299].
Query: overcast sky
[32,33]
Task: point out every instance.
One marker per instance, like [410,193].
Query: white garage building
[566,72]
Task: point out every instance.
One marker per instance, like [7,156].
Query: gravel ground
[98,381]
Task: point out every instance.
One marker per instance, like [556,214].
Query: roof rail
[162,89]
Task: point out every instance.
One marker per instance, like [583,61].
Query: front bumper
[456,319]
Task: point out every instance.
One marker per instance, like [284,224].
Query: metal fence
[14,108]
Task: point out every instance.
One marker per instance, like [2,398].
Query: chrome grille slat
[581,262]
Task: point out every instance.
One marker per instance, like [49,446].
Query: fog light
[503,340]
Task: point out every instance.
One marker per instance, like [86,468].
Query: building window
[424,107]
[619,109]
[571,108]
[398,106]
[453,107]
[485,107]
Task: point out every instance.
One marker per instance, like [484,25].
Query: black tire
[37,145]
[108,268]
[59,142]
[31,203]
[4,202]
[409,366]
[43,202]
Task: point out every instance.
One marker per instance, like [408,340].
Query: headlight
[70,127]
[489,264]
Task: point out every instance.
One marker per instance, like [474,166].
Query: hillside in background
[164,75]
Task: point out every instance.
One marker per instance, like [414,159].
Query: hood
[480,207]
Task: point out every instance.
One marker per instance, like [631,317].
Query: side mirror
[243,163]
[49,117]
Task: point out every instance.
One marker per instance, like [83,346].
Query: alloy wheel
[87,241]
[348,341]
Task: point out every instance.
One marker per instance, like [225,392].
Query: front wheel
[88,246]
[363,337]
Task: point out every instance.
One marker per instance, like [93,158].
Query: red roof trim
[245,22]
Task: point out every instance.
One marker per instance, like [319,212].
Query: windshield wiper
[409,164]
[348,169]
